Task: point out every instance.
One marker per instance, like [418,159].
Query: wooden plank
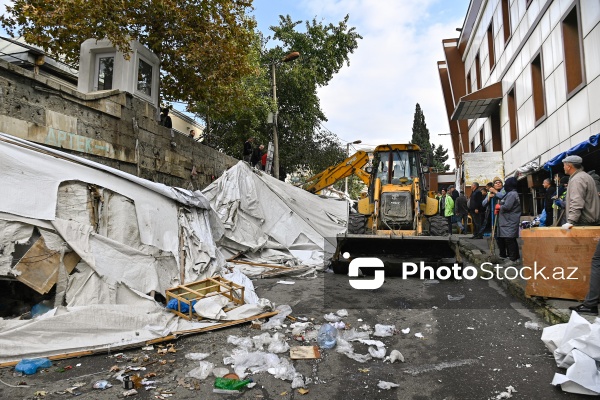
[173,336]
[260,264]
[304,352]
[38,268]
[566,258]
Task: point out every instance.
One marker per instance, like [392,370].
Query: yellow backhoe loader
[389,222]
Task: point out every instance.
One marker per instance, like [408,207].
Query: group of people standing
[256,156]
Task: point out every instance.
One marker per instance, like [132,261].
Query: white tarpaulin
[274,221]
[576,346]
[130,234]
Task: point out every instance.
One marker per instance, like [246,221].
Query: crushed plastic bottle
[327,336]
[231,384]
[533,325]
[30,366]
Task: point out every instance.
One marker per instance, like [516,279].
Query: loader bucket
[393,250]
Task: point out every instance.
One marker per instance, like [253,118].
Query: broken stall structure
[98,247]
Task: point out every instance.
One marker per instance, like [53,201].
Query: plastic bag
[543,218]
[231,384]
[384,330]
[202,372]
[277,320]
[196,356]
[386,385]
[278,344]
[30,366]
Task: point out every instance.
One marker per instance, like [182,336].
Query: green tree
[440,156]
[203,45]
[303,142]
[420,136]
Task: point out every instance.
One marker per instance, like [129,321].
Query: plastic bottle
[30,366]
[327,336]
[231,384]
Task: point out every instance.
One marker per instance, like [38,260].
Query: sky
[393,68]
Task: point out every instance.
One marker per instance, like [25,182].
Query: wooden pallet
[198,290]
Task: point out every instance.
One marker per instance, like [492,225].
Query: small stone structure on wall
[111,127]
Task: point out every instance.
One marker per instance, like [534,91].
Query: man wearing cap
[582,205]
[583,208]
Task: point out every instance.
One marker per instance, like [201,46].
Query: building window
[469,82]
[537,81]
[144,83]
[104,70]
[506,20]
[573,50]
[482,139]
[512,115]
[478,70]
[490,41]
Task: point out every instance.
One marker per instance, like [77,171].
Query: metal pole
[347,155]
[275,139]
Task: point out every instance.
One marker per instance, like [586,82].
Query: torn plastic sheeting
[346,348]
[576,346]
[236,276]
[211,307]
[250,202]
[11,233]
[75,329]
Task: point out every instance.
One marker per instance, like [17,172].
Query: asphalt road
[472,347]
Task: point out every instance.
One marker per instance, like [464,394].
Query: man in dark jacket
[548,202]
[248,149]
[461,211]
[476,209]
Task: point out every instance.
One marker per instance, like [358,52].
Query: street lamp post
[290,57]
[348,155]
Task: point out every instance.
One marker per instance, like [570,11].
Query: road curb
[515,287]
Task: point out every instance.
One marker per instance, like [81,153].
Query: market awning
[578,149]
[479,104]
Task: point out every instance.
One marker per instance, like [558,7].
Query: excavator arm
[351,165]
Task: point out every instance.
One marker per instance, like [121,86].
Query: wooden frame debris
[204,288]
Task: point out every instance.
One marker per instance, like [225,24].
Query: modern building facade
[523,78]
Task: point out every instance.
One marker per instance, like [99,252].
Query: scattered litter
[131,392]
[202,371]
[406,331]
[430,281]
[364,370]
[365,327]
[30,366]
[148,347]
[352,335]
[342,313]
[304,352]
[276,321]
[196,356]
[231,384]
[345,347]
[327,336]
[506,395]
[384,330]
[435,307]
[298,382]
[419,335]
[103,384]
[394,356]
[225,391]
[360,320]
[470,328]
[533,326]
[456,298]
[220,372]
[303,391]
[339,325]
[299,327]
[386,385]
[331,317]
[375,353]
[286,282]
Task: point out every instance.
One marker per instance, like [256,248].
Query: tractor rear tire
[357,224]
